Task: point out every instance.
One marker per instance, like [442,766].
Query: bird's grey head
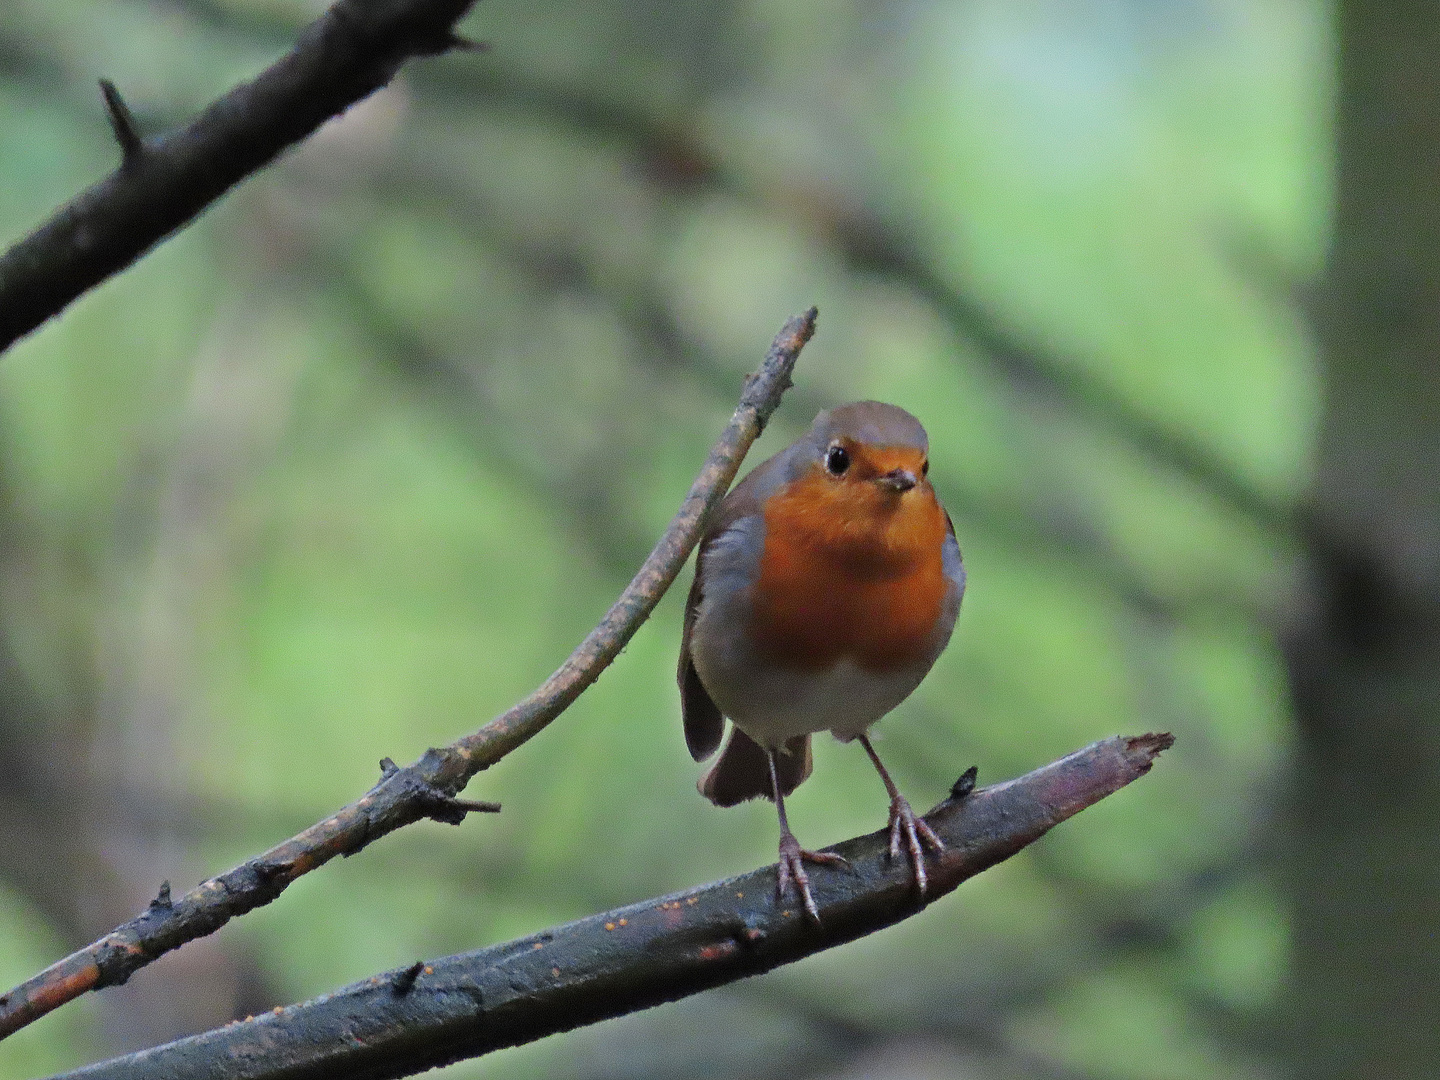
[871,422]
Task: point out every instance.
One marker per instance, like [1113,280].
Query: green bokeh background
[351,464]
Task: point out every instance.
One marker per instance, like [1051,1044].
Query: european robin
[827,584]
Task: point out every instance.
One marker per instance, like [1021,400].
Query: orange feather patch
[851,570]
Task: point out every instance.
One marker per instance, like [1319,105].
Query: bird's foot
[792,870]
[917,835]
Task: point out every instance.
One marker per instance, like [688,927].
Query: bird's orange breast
[849,572]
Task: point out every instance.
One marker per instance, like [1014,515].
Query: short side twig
[122,122]
[434,1013]
[426,788]
[352,50]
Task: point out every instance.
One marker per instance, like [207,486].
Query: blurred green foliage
[352,463]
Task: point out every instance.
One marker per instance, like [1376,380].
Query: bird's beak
[897,480]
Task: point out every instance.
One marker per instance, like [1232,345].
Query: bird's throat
[850,573]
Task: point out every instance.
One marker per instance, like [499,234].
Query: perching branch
[428,787]
[161,184]
[437,1012]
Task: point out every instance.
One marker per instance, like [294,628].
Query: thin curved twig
[428,787]
[161,184]
[437,1012]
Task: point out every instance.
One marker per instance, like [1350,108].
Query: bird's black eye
[925,467]
[837,460]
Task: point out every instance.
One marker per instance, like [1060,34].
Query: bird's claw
[791,871]
[917,832]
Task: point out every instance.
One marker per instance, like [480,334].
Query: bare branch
[435,1013]
[349,52]
[426,788]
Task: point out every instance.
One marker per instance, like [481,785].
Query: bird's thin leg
[904,822]
[792,856]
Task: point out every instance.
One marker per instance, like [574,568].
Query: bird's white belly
[772,705]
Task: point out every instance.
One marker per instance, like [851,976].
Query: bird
[827,584]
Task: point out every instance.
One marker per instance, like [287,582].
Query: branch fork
[433,803]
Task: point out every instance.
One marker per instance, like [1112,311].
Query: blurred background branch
[161,184]
[1363,647]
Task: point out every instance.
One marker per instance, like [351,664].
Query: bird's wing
[953,562]
[704,723]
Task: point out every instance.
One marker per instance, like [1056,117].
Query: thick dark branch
[161,184]
[427,788]
[431,1014]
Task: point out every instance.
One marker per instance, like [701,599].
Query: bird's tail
[742,771]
